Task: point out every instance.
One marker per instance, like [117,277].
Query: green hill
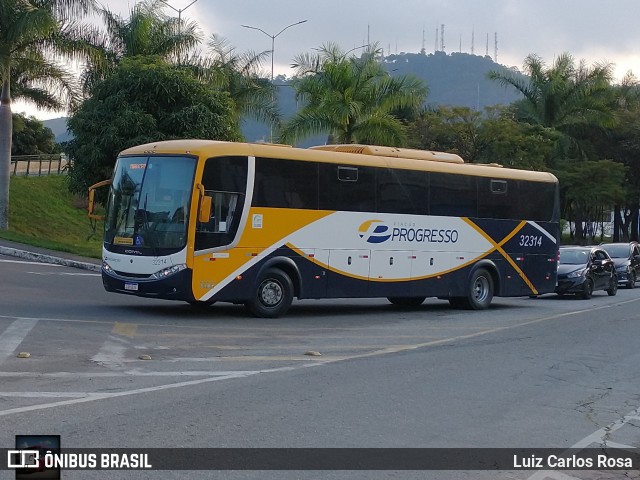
[458,79]
[59,128]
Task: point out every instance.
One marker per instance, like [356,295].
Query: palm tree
[571,99]
[240,74]
[147,31]
[354,99]
[38,80]
[31,31]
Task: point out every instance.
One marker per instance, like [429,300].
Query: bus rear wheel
[273,294]
[479,292]
[407,301]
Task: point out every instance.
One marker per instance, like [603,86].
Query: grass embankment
[43,213]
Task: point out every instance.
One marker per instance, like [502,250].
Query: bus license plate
[131,286]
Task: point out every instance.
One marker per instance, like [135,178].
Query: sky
[591,30]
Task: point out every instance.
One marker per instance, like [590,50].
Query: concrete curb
[40,257]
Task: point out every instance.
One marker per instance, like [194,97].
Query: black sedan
[583,270]
[626,256]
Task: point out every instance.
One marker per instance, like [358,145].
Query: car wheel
[587,289]
[273,295]
[613,286]
[632,280]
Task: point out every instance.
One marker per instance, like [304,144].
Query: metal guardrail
[39,165]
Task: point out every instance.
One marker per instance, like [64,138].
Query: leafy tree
[589,189]
[572,99]
[622,144]
[447,129]
[31,32]
[31,137]
[514,144]
[492,137]
[144,100]
[354,99]
[147,31]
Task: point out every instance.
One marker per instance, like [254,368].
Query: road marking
[125,329]
[276,358]
[112,353]
[13,336]
[71,274]
[124,373]
[127,393]
[601,440]
[46,394]
[30,263]
[323,362]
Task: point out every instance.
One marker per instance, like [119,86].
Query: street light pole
[273,44]
[179,10]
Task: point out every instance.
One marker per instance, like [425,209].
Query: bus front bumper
[173,287]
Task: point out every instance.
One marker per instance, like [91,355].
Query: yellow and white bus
[259,224]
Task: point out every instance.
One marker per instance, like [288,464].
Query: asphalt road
[546,372]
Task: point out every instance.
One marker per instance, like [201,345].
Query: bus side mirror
[204,215]
[92,203]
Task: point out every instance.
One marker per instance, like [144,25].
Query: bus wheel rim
[271,293]
[481,289]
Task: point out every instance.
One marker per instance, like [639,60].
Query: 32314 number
[530,241]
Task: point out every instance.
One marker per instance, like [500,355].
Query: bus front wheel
[273,295]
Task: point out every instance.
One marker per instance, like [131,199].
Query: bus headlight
[106,267]
[167,272]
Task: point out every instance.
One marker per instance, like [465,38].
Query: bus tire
[273,294]
[407,301]
[479,290]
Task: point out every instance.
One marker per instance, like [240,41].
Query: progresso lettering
[424,235]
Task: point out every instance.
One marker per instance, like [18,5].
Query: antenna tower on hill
[473,38]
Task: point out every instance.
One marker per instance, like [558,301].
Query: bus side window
[453,195]
[542,209]
[347,188]
[286,184]
[402,191]
[498,198]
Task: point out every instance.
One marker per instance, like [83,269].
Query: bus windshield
[148,204]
